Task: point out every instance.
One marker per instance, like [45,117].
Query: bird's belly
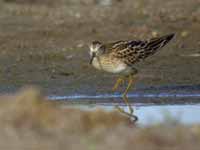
[110,65]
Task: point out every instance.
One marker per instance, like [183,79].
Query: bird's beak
[92,57]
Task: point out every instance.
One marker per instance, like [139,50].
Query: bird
[120,57]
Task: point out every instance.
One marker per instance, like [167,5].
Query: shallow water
[187,114]
[151,105]
[173,94]
[154,114]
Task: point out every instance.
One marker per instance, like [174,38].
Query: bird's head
[96,49]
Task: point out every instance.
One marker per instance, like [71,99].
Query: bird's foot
[129,114]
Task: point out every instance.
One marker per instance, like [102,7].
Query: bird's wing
[133,51]
[128,51]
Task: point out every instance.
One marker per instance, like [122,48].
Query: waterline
[135,95]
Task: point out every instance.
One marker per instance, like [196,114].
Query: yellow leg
[117,83]
[130,82]
[125,98]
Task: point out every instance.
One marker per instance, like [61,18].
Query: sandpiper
[119,58]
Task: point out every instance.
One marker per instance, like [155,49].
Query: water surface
[151,105]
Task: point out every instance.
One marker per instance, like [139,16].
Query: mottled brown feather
[134,51]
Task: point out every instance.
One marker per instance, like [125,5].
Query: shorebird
[119,58]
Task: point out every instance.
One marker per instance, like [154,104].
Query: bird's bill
[92,57]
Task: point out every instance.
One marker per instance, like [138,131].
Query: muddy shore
[47,44]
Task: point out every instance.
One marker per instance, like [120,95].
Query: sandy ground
[46,44]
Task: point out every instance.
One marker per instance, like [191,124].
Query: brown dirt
[45,44]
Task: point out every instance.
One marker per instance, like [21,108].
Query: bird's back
[136,50]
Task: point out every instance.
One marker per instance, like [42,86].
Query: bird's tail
[155,44]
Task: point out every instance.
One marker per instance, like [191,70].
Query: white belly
[110,65]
